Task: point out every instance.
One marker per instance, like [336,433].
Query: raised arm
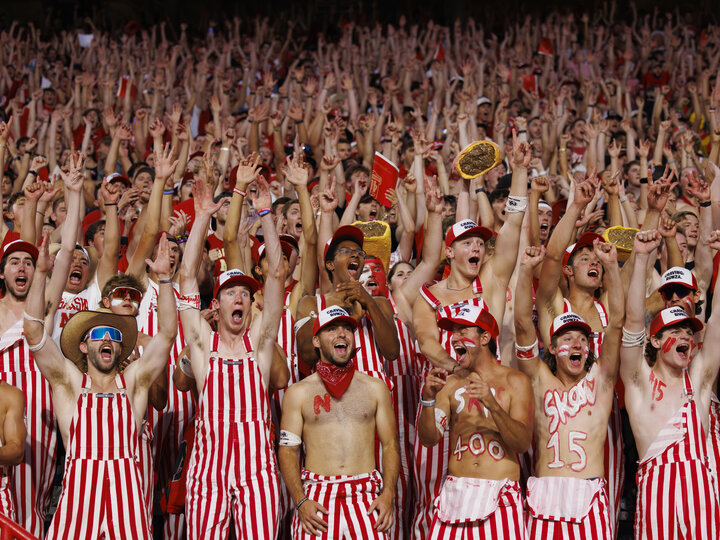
[14,431]
[195,327]
[154,359]
[704,367]
[58,370]
[267,327]
[610,358]
[526,342]
[631,352]
[246,173]
[434,419]
[108,263]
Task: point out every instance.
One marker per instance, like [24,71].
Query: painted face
[123,301]
[336,342]
[675,346]
[373,278]
[571,352]
[18,273]
[681,296]
[465,341]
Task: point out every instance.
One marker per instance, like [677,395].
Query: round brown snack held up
[478,158]
[623,238]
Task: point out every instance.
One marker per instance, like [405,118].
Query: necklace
[449,288]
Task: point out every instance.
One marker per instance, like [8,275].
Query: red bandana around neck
[335,378]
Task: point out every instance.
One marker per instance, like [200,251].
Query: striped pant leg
[31,480]
[79,513]
[596,525]
[404,397]
[614,456]
[255,506]
[324,494]
[126,503]
[7,504]
[176,416]
[429,471]
[207,508]
[355,505]
[146,467]
[696,502]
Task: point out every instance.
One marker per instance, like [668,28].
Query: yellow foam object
[377,240]
[478,158]
[623,238]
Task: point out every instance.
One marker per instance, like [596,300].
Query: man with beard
[574,392]
[100,412]
[668,401]
[232,473]
[337,411]
[481,496]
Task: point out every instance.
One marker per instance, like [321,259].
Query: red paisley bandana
[335,378]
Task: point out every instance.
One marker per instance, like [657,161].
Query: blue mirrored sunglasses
[99,332]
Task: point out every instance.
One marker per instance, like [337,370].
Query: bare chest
[355,407]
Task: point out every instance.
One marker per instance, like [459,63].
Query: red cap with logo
[470,315]
[672,316]
[467,227]
[586,240]
[235,277]
[569,321]
[332,314]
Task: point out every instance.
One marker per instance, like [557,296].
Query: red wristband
[240,192]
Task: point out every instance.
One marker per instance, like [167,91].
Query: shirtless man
[574,396]
[490,415]
[12,441]
[232,473]
[100,413]
[668,401]
[336,412]
[474,279]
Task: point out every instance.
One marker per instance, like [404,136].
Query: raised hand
[328,198]
[74,177]
[110,193]
[698,188]
[203,199]
[646,242]
[161,265]
[606,252]
[521,153]
[156,128]
[164,163]
[585,191]
[34,191]
[532,256]
[434,382]
[247,171]
[715,240]
[5,130]
[261,199]
[329,162]
[295,170]
[668,226]
[659,190]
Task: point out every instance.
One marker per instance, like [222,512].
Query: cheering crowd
[249,286]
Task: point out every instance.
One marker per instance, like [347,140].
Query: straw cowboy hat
[79,324]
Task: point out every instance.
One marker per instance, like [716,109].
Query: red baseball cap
[466,227]
[672,316]
[19,245]
[586,240]
[470,315]
[235,277]
[568,321]
[330,315]
[258,250]
[346,232]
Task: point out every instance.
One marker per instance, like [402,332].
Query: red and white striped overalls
[102,492]
[168,425]
[286,339]
[676,492]
[232,467]
[713,441]
[31,480]
[430,464]
[7,503]
[614,454]
[347,500]
[405,375]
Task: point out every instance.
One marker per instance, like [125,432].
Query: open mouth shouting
[354,267]
[341,348]
[237,316]
[593,273]
[474,261]
[21,281]
[106,353]
[683,351]
[576,360]
[373,214]
[75,277]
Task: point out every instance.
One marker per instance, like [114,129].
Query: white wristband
[40,344]
[287,438]
[515,205]
[440,420]
[429,403]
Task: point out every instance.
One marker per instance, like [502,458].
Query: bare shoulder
[300,389]
[10,395]
[515,376]
[374,385]
[306,305]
